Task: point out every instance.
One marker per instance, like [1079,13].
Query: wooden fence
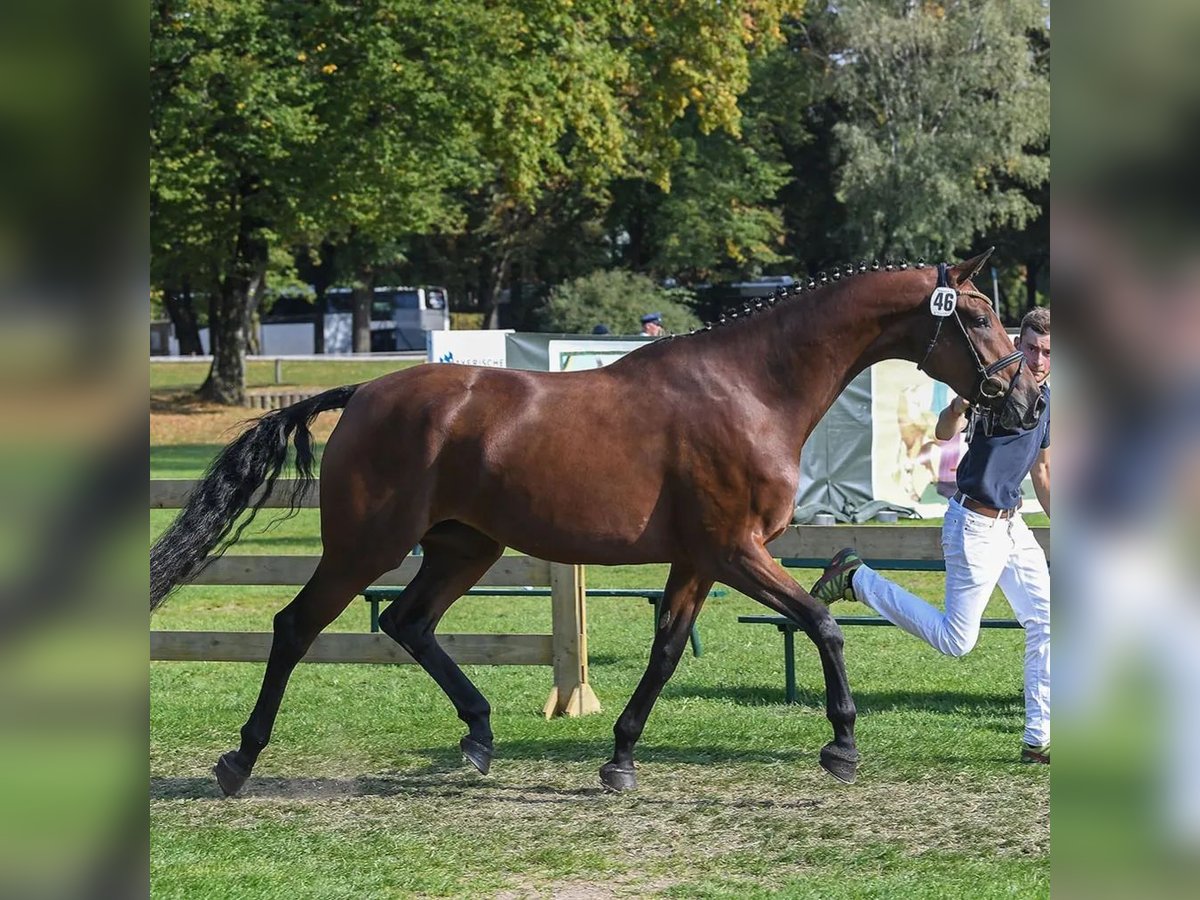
[565,648]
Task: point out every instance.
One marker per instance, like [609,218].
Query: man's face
[1036,348]
[652,328]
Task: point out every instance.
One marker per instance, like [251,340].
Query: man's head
[652,324]
[1034,342]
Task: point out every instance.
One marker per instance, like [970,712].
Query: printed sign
[468,348]
[910,466]
[577,356]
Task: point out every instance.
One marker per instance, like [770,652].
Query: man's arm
[1040,473]
[952,419]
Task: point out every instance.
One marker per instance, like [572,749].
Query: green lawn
[362,792]
[188,376]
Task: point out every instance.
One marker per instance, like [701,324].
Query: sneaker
[837,582]
[1031,753]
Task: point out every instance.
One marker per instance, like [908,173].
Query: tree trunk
[364,294]
[226,382]
[493,274]
[253,323]
[214,333]
[1031,273]
[321,305]
[237,296]
[183,318]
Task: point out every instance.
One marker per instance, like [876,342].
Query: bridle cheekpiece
[944,305]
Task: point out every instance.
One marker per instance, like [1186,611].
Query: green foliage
[719,217]
[509,146]
[945,113]
[466,321]
[614,298]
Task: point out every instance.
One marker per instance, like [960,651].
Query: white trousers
[980,552]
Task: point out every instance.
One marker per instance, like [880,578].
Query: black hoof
[231,774]
[841,764]
[476,753]
[617,778]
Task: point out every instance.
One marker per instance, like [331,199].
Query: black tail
[228,486]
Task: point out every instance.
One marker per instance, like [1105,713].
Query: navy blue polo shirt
[995,465]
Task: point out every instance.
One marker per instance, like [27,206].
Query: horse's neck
[803,353]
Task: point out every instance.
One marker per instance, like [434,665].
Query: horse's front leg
[755,573]
[684,595]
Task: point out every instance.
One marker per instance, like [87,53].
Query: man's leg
[976,549]
[1026,583]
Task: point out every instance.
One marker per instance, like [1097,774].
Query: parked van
[400,317]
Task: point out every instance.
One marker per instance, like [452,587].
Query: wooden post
[571,695]
[278,370]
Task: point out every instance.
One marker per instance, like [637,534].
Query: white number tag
[943,301]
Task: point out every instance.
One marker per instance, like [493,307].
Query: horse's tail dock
[227,490]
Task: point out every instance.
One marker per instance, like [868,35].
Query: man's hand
[952,419]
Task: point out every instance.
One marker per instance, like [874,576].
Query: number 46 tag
[943,301]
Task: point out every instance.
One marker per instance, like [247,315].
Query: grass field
[188,376]
[362,792]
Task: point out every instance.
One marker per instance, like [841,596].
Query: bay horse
[568,467]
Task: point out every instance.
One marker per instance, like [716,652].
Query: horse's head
[962,342]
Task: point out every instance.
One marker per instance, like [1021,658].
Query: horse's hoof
[231,774]
[476,753]
[841,764]
[618,778]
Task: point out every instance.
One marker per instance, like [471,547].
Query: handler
[985,542]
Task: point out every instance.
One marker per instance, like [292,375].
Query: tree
[231,122]
[944,110]
[617,299]
[718,218]
[585,93]
[364,124]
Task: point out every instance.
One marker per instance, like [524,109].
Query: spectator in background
[601,329]
[652,324]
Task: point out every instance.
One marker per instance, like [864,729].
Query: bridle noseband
[990,388]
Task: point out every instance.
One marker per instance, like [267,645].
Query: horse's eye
[981,322]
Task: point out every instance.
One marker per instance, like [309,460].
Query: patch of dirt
[688,819]
[178,417]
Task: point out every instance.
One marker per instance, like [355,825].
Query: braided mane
[757,305]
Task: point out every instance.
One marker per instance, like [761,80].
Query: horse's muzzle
[1018,416]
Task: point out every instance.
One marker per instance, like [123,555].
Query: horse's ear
[968,269]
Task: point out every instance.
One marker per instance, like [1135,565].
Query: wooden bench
[789,628]
[377,595]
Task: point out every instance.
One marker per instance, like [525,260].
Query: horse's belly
[570,523]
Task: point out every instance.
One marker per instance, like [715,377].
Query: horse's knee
[829,633]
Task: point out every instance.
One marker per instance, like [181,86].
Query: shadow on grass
[457,785]
[446,775]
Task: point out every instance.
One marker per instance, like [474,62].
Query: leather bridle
[991,388]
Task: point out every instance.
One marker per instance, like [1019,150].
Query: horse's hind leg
[317,604]
[456,557]
[757,575]
[684,595]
